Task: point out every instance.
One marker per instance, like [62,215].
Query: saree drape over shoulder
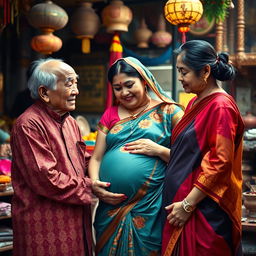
[206,152]
[133,227]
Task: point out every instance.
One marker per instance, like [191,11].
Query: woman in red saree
[203,183]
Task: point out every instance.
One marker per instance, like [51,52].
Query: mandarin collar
[57,117]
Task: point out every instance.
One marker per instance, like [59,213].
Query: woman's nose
[180,77]
[125,91]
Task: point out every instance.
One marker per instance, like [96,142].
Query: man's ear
[43,93]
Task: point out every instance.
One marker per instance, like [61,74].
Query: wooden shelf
[5,217]
[6,193]
[6,248]
[247,226]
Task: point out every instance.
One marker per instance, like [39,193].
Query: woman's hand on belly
[99,190]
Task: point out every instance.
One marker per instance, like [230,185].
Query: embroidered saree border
[122,212]
[192,113]
[172,242]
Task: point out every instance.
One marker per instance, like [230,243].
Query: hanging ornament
[161,38]
[47,43]
[142,34]
[116,17]
[47,17]
[85,24]
[183,13]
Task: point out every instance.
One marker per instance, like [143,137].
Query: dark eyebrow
[125,83]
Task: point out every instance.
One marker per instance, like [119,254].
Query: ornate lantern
[48,17]
[116,16]
[183,13]
[161,37]
[85,24]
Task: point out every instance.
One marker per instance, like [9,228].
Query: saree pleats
[210,160]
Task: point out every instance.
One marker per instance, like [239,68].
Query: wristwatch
[187,207]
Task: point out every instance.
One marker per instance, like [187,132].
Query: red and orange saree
[206,152]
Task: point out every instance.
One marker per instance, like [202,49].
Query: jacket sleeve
[34,158]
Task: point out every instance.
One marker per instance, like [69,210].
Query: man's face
[63,98]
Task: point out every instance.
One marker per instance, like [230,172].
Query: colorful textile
[116,52]
[206,152]
[133,227]
[3,136]
[51,203]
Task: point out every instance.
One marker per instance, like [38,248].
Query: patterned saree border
[192,113]
[102,128]
[172,242]
[123,211]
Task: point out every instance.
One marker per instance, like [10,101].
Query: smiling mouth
[128,98]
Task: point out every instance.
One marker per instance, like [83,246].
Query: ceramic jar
[142,35]
[249,120]
[250,203]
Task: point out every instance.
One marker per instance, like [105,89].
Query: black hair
[196,54]
[121,66]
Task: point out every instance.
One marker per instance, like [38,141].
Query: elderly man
[52,196]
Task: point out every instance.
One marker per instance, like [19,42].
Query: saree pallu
[206,152]
[133,227]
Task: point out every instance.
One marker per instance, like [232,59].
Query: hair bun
[223,57]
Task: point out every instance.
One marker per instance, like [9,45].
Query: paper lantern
[183,13]
[47,17]
[116,17]
[85,24]
[46,43]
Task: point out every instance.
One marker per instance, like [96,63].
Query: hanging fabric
[116,52]
[148,61]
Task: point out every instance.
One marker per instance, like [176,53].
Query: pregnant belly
[126,172]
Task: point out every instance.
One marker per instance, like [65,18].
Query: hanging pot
[249,120]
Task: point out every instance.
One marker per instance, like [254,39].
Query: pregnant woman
[128,163]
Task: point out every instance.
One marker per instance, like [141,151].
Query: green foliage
[216,9]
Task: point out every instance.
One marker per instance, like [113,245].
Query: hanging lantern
[161,38]
[85,24]
[47,43]
[47,17]
[183,13]
[142,34]
[116,16]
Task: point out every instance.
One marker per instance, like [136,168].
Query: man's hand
[99,189]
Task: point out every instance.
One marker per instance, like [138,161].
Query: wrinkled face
[63,99]
[129,91]
[190,81]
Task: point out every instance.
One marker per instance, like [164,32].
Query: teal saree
[134,227]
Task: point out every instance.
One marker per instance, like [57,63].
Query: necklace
[135,115]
